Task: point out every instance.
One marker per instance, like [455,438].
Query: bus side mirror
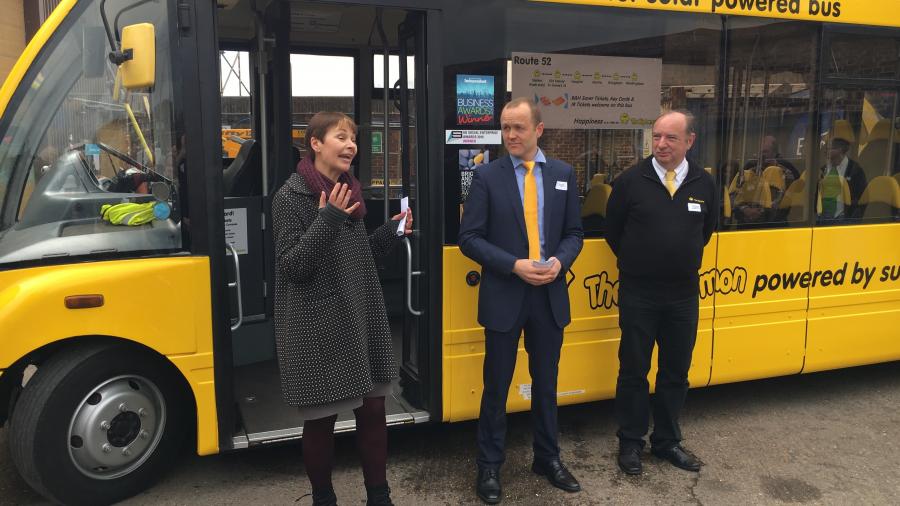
[138,42]
[93,51]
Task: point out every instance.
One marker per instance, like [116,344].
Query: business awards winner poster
[474,100]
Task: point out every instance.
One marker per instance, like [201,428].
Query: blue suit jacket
[493,234]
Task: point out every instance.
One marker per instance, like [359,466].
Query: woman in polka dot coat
[331,328]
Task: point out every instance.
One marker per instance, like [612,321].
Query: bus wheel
[98,423]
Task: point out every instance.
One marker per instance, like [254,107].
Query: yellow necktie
[670,182]
[531,212]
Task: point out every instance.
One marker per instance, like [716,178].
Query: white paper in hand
[404,205]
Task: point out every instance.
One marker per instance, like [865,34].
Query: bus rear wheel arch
[99,422]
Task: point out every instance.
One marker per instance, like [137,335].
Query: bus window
[235,86]
[864,55]
[372,176]
[857,161]
[767,138]
[81,147]
[686,48]
[856,175]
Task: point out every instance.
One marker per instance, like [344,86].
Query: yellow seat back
[774,176]
[595,201]
[753,190]
[882,189]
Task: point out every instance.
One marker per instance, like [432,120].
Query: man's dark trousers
[647,316]
[543,340]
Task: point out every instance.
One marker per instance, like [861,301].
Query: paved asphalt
[827,438]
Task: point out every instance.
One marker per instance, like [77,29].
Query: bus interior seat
[875,154]
[881,199]
[897,177]
[243,178]
[774,176]
[749,175]
[841,129]
[792,207]
[593,210]
[595,200]
[752,193]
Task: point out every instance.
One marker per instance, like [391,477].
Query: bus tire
[98,423]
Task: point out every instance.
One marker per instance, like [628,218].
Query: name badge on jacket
[562,185]
[694,207]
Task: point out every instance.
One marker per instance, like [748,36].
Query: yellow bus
[126,334]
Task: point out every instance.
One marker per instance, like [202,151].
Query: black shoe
[379,495]
[630,460]
[324,497]
[487,487]
[556,472]
[679,457]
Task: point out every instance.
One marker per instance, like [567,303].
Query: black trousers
[543,340]
[647,318]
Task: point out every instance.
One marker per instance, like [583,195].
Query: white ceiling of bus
[313,24]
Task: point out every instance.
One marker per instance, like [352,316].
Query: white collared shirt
[680,172]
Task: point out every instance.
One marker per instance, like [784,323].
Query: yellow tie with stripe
[670,182]
[531,212]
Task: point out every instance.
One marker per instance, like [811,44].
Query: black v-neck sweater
[657,238]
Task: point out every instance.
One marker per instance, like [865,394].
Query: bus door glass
[397,147]
[243,192]
[857,203]
[763,250]
[413,144]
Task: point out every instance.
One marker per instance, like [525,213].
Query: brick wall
[12,34]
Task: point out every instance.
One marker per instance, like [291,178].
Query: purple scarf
[318,183]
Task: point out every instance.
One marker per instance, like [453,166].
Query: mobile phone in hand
[542,264]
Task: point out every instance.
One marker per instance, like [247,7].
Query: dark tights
[371,439]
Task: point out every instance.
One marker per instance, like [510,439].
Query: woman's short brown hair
[321,123]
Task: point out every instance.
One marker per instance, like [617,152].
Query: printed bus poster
[474,100]
[589,92]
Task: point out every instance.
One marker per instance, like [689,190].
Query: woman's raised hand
[339,198]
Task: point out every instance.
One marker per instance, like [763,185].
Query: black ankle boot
[324,497]
[379,495]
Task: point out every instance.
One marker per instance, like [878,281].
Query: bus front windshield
[86,166]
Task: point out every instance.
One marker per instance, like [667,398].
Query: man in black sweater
[660,216]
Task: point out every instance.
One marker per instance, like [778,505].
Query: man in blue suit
[521,222]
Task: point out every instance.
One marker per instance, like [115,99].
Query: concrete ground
[828,438]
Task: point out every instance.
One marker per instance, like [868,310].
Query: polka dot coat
[331,328]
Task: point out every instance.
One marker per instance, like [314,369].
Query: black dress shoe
[556,472]
[630,460]
[679,457]
[488,485]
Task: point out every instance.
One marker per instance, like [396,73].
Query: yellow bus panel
[760,325]
[853,318]
[860,12]
[161,303]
